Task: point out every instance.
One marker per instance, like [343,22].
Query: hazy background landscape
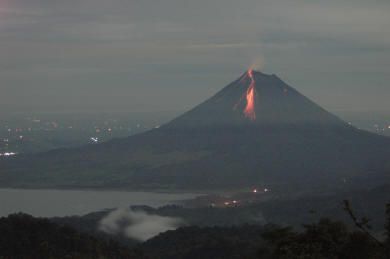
[36,132]
[185,129]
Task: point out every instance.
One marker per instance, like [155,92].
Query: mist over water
[50,203]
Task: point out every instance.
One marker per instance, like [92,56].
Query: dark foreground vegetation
[23,236]
[323,240]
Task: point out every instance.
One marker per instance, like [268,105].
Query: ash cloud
[137,225]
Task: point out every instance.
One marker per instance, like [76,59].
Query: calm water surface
[49,203]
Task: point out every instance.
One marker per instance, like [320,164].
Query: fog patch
[137,225]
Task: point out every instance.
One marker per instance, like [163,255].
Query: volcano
[256,131]
[256,99]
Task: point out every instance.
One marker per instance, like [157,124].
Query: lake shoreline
[60,202]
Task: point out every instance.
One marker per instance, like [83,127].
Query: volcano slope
[255,131]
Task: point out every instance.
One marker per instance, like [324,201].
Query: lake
[50,203]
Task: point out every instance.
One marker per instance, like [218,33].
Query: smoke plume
[258,63]
[137,224]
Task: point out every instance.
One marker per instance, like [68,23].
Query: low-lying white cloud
[137,225]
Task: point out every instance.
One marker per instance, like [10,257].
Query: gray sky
[144,55]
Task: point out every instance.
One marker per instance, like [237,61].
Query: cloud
[73,44]
[137,224]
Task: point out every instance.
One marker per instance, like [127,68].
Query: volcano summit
[256,99]
[257,130]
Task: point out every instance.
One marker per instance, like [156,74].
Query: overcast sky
[153,55]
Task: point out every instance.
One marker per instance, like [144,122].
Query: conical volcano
[256,98]
[255,131]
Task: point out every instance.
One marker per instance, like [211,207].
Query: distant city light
[8,154]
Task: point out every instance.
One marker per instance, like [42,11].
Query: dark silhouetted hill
[23,236]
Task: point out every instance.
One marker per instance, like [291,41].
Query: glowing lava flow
[249,110]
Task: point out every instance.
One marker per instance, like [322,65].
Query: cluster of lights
[233,202]
[264,190]
[7,154]
[377,127]
[98,130]
[95,140]
[236,202]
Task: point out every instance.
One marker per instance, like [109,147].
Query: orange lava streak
[249,110]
